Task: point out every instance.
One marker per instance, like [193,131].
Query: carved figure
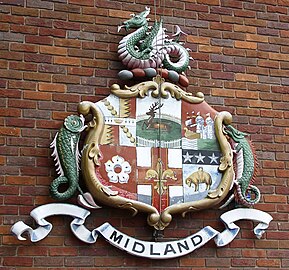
[152,113]
[144,49]
[199,124]
[246,167]
[198,177]
[66,155]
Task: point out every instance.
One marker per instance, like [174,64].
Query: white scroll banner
[228,218]
[147,249]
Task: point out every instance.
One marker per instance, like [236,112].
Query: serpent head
[74,123]
[136,21]
[235,134]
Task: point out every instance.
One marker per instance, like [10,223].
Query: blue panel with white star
[204,157]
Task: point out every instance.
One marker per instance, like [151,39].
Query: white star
[187,157]
[200,158]
[213,158]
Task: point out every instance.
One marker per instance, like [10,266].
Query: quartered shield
[156,149]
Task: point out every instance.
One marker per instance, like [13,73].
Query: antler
[155,106]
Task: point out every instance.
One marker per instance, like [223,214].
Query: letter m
[116,238]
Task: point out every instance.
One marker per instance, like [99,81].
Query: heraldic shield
[157,149]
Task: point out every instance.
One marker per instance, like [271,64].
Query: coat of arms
[156,149]
[153,148]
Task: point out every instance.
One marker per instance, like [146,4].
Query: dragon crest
[150,47]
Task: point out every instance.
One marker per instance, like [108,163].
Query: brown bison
[198,177]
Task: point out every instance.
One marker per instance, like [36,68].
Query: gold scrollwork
[158,88]
[91,158]
[215,197]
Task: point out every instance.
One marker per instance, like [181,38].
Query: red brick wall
[56,53]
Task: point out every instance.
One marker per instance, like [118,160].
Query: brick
[52,32]
[283,3]
[81,18]
[11,55]
[243,262]
[30,113]
[245,29]
[66,61]
[284,34]
[66,25]
[13,37]
[51,87]
[268,263]
[21,103]
[37,58]
[257,70]
[39,4]
[46,68]
[221,26]
[221,42]
[33,76]
[9,131]
[246,77]
[257,38]
[234,68]
[20,122]
[37,95]
[11,19]
[23,66]
[210,49]
[39,40]
[269,64]
[246,45]
[48,261]
[24,47]
[276,9]
[198,40]
[210,66]
[20,180]
[33,251]
[182,14]
[10,112]
[82,3]
[53,14]
[223,93]
[245,13]
[231,19]
[94,63]
[18,261]
[53,50]
[66,97]
[81,89]
[221,58]
[81,53]
[16,200]
[192,261]
[25,11]
[80,35]
[223,75]
[12,93]
[66,79]
[280,89]
[39,22]
[24,29]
